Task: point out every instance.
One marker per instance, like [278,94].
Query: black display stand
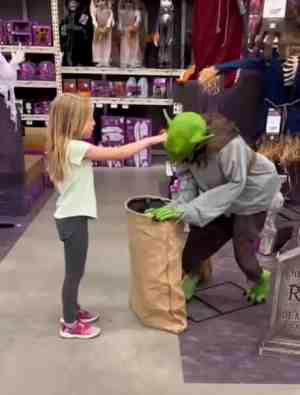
[12,167]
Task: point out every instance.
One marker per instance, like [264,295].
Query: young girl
[70,168]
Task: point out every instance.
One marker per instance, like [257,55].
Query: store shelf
[36,84]
[120,71]
[126,102]
[32,49]
[35,117]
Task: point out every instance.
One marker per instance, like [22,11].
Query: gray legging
[73,232]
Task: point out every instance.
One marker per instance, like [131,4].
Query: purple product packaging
[113,135]
[42,107]
[138,129]
[160,88]
[27,71]
[41,35]
[101,88]
[46,71]
[19,31]
[3,35]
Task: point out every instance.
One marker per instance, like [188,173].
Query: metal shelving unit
[126,102]
[37,84]
[35,117]
[31,50]
[146,72]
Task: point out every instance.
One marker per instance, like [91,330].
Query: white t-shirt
[77,191]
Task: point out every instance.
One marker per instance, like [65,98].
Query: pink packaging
[138,129]
[113,135]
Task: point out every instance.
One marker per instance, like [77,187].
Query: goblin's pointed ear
[168,119]
[196,138]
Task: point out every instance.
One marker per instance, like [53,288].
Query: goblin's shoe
[260,292]
[189,286]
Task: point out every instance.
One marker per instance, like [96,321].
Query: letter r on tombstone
[294,293]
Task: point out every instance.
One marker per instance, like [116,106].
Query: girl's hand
[160,138]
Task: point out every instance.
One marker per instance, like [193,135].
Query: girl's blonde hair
[68,117]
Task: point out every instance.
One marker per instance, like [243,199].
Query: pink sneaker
[85,316]
[79,331]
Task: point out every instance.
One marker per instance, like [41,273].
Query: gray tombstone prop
[284,334]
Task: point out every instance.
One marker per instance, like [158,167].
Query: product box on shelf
[120,89]
[41,107]
[84,87]
[28,71]
[131,87]
[70,86]
[138,129]
[19,31]
[42,35]
[3,33]
[102,88]
[113,135]
[46,71]
[160,88]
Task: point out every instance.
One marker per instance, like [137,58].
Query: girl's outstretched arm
[124,152]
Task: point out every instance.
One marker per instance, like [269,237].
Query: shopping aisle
[127,359]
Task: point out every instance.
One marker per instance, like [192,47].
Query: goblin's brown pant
[244,230]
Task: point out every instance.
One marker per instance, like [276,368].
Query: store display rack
[99,102]
[147,72]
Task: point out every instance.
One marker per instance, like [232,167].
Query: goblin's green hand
[165,214]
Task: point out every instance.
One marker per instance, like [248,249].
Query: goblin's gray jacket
[227,185]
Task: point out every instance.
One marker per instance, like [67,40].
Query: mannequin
[8,77]
[130,20]
[76,32]
[103,21]
[164,35]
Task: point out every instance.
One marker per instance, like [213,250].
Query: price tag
[273,122]
[275,9]
[177,108]
[125,106]
[99,105]
[29,123]
[114,105]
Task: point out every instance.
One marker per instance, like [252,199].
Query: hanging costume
[278,94]
[224,193]
[217,33]
[76,35]
[103,19]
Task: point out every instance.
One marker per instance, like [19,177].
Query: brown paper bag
[156,294]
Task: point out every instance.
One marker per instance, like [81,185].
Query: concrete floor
[128,358]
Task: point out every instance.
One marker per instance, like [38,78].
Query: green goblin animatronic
[226,190]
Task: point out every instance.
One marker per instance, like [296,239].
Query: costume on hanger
[217,33]
[130,20]
[281,88]
[76,34]
[103,20]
